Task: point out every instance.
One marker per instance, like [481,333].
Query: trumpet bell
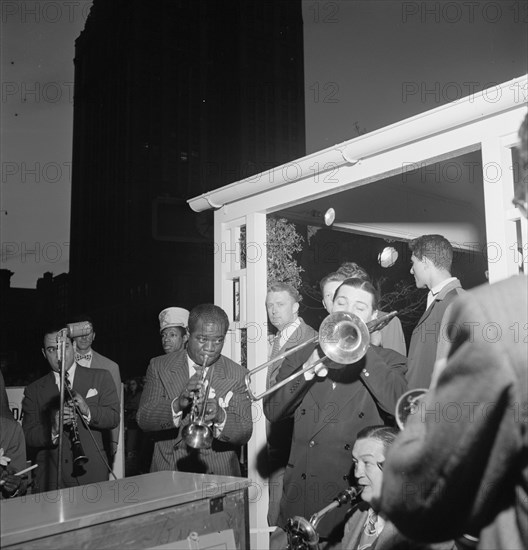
[198,435]
[407,405]
[344,338]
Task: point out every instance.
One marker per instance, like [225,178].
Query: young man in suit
[460,466]
[328,412]
[174,386]
[282,305]
[89,358]
[96,399]
[431,260]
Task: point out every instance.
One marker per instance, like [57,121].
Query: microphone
[82,328]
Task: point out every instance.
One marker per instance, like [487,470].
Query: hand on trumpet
[193,394]
[214,412]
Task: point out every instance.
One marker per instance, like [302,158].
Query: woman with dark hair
[365,529]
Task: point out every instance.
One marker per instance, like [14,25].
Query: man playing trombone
[328,412]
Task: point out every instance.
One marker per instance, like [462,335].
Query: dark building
[172,98]
[25,313]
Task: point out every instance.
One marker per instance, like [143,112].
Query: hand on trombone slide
[321,368]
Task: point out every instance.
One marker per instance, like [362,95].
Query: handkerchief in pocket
[92,392]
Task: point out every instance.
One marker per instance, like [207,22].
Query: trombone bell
[343,337]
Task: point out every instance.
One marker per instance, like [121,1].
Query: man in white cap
[173,328]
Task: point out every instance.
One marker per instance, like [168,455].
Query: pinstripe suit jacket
[167,377]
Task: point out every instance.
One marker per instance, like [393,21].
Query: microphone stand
[61,353]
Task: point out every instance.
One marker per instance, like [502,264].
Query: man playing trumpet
[328,412]
[173,400]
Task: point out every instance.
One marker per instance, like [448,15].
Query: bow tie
[79,357]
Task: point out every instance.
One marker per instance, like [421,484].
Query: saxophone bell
[302,534]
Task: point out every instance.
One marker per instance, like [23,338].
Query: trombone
[343,337]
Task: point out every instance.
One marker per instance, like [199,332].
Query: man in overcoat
[328,412]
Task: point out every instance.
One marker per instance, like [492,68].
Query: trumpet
[302,534]
[198,434]
[343,337]
[407,405]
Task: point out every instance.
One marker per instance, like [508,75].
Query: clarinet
[79,456]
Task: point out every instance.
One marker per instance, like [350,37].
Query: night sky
[367,64]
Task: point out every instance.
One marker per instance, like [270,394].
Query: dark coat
[328,413]
[426,337]
[167,377]
[461,466]
[41,400]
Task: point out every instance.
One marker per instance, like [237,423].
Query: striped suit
[167,377]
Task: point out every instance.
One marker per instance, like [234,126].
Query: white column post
[498,193]
[257,351]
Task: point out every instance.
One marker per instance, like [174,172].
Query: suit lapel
[95,360]
[82,380]
[48,385]
[385,540]
[441,295]
[174,373]
[354,536]
[297,337]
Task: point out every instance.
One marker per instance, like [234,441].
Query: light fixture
[329,217]
[388,256]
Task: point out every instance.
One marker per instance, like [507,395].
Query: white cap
[173,317]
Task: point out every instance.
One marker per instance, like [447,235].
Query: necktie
[67,380]
[198,371]
[274,352]
[370,526]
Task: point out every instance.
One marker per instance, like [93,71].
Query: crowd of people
[443,482]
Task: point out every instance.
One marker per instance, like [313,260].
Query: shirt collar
[71,375]
[437,288]
[288,330]
[191,364]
